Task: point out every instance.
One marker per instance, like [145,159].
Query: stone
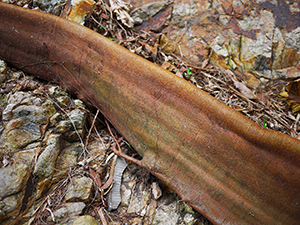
[145,12]
[13,182]
[10,205]
[14,177]
[252,35]
[78,103]
[85,220]
[12,101]
[63,100]
[77,118]
[2,78]
[139,200]
[2,66]
[54,119]
[79,189]
[50,6]
[166,214]
[128,183]
[189,219]
[68,209]
[45,165]
[49,108]
[68,156]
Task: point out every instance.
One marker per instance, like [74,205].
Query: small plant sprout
[265,124]
[189,72]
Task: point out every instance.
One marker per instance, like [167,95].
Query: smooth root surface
[220,162]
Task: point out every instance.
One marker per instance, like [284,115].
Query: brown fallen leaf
[241,86]
[168,66]
[167,46]
[292,95]
[95,177]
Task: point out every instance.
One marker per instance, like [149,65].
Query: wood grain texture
[220,162]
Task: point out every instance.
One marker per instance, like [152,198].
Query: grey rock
[189,219]
[139,200]
[147,11]
[49,6]
[79,189]
[68,209]
[13,179]
[45,165]
[10,205]
[128,184]
[77,118]
[68,156]
[166,214]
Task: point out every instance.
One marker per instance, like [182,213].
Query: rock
[24,121]
[166,214]
[139,200]
[253,35]
[63,100]
[79,189]
[78,103]
[13,183]
[45,165]
[68,209]
[77,117]
[2,66]
[85,220]
[189,219]
[49,107]
[50,6]
[12,101]
[128,183]
[145,12]
[2,78]
[10,205]
[68,157]
[75,121]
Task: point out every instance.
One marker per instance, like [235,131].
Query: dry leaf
[241,86]
[168,66]
[121,8]
[167,46]
[95,177]
[293,95]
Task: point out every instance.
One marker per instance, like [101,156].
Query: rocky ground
[56,155]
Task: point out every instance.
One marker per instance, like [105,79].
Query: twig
[118,151]
[90,130]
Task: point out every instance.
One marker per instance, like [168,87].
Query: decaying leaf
[241,86]
[168,66]
[95,177]
[293,95]
[80,9]
[168,46]
[121,8]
